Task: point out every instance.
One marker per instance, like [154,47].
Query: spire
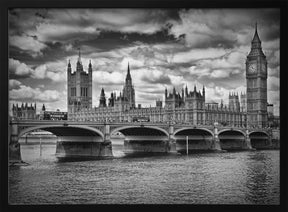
[128,76]
[102,92]
[203,91]
[90,67]
[186,90]
[256,38]
[256,49]
[79,64]
[165,92]
[69,70]
[102,101]
[79,56]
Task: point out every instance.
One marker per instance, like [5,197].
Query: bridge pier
[14,146]
[86,147]
[106,148]
[247,144]
[146,144]
[172,141]
[270,143]
[216,141]
[90,147]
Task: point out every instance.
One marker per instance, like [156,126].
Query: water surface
[247,177]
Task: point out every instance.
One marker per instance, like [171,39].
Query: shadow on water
[198,151]
[147,154]
[75,159]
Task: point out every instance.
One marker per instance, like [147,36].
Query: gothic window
[73,91]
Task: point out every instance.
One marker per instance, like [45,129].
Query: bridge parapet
[104,130]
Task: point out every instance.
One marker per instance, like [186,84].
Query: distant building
[273,121]
[52,115]
[187,107]
[24,112]
[256,78]
[79,87]
[270,110]
[184,107]
[243,102]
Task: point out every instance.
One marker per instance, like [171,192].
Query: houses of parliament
[185,106]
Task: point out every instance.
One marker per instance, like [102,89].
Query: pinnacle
[256,38]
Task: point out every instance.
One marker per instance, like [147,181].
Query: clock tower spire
[256,78]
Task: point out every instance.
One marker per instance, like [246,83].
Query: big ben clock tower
[256,77]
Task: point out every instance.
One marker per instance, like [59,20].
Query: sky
[164,47]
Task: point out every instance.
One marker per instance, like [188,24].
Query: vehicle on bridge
[141,119]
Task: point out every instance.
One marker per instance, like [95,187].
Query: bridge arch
[199,139]
[191,128]
[260,132]
[144,139]
[259,139]
[225,130]
[232,139]
[137,128]
[60,130]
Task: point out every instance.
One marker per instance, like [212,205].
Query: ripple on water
[213,178]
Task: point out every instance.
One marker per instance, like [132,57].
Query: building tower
[128,90]
[243,102]
[24,112]
[79,87]
[102,101]
[234,103]
[256,77]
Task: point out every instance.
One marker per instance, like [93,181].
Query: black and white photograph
[144,106]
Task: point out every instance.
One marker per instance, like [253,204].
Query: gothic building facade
[79,87]
[256,78]
[24,111]
[184,107]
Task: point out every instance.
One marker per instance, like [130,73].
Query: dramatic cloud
[29,43]
[53,71]
[18,68]
[108,78]
[221,28]
[165,48]
[14,84]
[196,54]
[27,93]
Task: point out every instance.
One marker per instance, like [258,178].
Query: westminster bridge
[91,139]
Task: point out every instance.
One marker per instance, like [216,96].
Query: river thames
[245,177]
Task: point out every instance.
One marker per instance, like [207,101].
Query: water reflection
[262,179]
[203,178]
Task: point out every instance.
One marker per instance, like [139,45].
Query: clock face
[263,68]
[252,68]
